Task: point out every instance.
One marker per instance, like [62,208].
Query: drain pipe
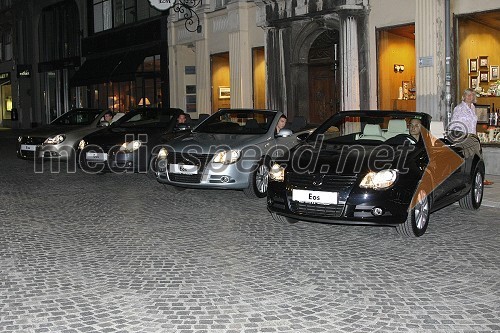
[447,50]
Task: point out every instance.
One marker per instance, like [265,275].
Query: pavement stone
[121,253]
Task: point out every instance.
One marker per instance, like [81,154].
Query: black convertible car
[366,168]
[126,145]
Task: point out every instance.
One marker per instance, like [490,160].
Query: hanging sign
[162,4]
[24,71]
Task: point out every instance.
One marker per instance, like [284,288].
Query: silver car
[59,139]
[231,149]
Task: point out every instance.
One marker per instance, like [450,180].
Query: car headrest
[252,124]
[372,129]
[397,126]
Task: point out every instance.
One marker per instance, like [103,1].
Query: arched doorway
[324,77]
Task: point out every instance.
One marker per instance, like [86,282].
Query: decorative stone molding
[220,24]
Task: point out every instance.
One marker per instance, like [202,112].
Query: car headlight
[55,139]
[82,144]
[162,154]
[379,180]
[227,156]
[131,146]
[277,172]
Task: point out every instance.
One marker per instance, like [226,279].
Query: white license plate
[96,157]
[28,147]
[315,197]
[186,169]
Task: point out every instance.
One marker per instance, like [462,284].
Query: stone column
[430,54]
[203,85]
[276,84]
[240,60]
[350,63]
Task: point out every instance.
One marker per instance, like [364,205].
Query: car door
[448,166]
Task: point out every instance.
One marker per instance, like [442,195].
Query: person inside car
[415,129]
[181,119]
[281,124]
[108,116]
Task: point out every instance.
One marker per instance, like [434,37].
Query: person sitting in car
[415,129]
[108,116]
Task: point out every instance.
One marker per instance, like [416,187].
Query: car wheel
[418,218]
[259,180]
[474,197]
[282,219]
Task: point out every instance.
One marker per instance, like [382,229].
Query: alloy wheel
[261,178]
[478,187]
[422,211]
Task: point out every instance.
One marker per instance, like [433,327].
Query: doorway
[56,97]
[324,77]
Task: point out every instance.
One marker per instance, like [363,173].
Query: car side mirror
[285,132]
[103,124]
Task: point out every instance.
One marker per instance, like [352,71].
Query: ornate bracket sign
[185,10]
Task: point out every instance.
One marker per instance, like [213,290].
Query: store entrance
[478,68]
[55,94]
[396,68]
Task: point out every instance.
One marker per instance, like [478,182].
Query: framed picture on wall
[494,73]
[482,112]
[473,81]
[472,65]
[224,93]
[483,61]
[483,76]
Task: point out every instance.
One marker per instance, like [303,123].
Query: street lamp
[185,8]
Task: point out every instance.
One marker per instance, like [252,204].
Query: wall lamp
[399,68]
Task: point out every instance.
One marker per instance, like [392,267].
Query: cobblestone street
[120,253]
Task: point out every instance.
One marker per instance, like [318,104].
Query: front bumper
[29,147]
[355,205]
[114,160]
[208,174]
[56,152]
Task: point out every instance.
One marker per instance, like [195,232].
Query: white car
[59,139]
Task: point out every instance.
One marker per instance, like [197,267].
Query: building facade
[307,58]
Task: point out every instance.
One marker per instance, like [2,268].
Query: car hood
[118,135]
[205,141]
[48,130]
[353,159]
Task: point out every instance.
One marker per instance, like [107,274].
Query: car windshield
[368,129]
[146,116]
[238,122]
[77,117]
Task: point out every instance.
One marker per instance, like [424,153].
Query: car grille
[28,140]
[180,178]
[331,183]
[200,160]
[316,210]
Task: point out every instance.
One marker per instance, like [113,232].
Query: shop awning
[93,71]
[127,67]
[116,68]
